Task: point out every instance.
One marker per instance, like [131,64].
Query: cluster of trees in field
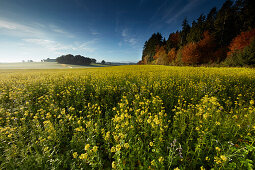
[76,60]
[225,36]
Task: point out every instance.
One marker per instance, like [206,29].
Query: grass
[43,65]
[128,117]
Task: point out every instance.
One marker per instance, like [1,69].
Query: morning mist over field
[106,30]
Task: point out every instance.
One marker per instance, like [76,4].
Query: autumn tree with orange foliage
[242,50]
[161,57]
[207,47]
[241,41]
[190,54]
[201,52]
[172,55]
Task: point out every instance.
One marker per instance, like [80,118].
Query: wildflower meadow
[128,117]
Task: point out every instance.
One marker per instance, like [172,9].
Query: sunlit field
[128,117]
[43,65]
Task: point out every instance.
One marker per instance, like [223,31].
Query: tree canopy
[76,60]
[209,39]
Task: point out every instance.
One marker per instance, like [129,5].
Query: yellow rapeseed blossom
[83,156]
[118,147]
[153,163]
[161,159]
[126,145]
[87,146]
[224,158]
[95,148]
[113,149]
[217,149]
[75,154]
[113,165]
[151,143]
[252,102]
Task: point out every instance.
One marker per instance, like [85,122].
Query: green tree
[185,31]
[149,49]
[226,24]
[197,29]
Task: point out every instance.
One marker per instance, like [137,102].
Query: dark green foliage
[149,49]
[76,60]
[173,41]
[210,19]
[102,62]
[185,31]
[225,24]
[197,30]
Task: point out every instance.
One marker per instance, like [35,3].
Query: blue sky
[111,30]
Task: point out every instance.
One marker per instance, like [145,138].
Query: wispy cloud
[57,47]
[42,36]
[186,8]
[127,38]
[61,31]
[124,33]
[131,41]
[16,29]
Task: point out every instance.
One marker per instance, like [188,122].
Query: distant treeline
[76,60]
[224,36]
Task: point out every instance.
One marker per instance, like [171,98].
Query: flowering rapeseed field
[128,117]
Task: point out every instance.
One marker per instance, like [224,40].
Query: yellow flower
[95,148]
[118,147]
[161,159]
[113,149]
[151,143]
[46,149]
[177,168]
[217,123]
[87,147]
[217,149]
[149,120]
[153,163]
[224,158]
[217,160]
[202,168]
[113,165]
[252,102]
[126,145]
[207,158]
[83,156]
[75,154]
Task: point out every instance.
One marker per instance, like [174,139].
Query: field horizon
[44,65]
